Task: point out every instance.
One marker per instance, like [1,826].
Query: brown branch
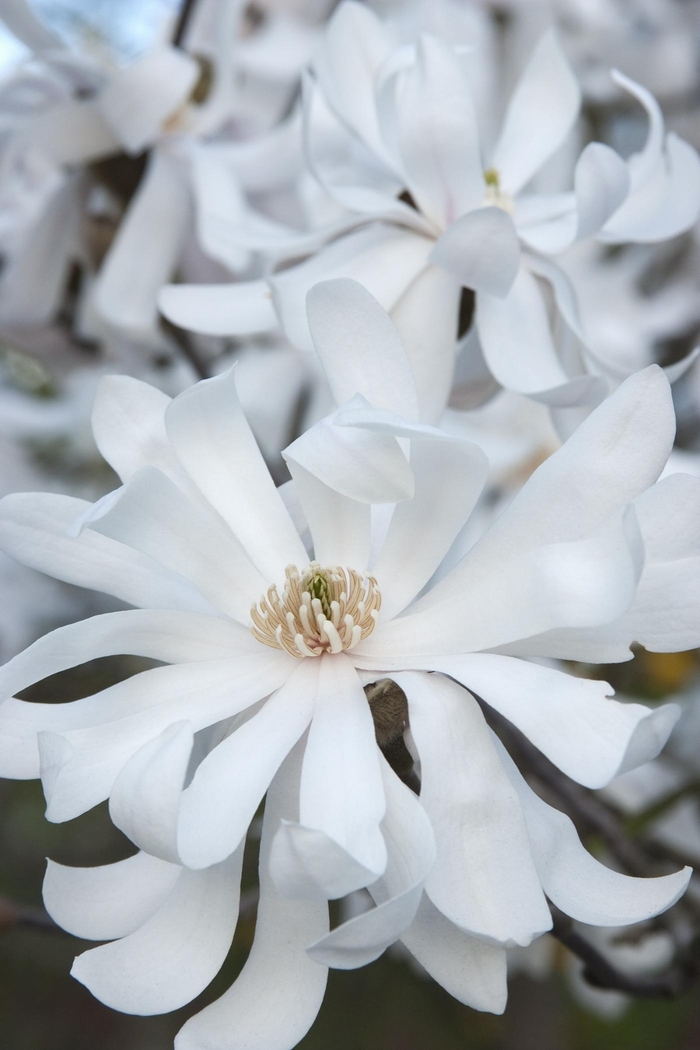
[14,916]
[183,21]
[601,973]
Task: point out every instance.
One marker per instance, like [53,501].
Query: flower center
[322,610]
[494,197]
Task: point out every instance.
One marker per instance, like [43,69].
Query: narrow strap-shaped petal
[128,424]
[574,880]
[540,115]
[144,252]
[580,584]
[219,309]
[230,783]
[337,846]
[615,454]
[171,637]
[20,720]
[449,477]
[426,318]
[483,879]
[471,970]
[145,800]
[34,529]
[437,134]
[342,793]
[340,526]
[359,347]
[411,850]
[573,721]
[79,766]
[277,996]
[152,515]
[108,901]
[518,345]
[214,443]
[176,953]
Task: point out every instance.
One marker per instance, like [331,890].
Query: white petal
[229,784]
[341,784]
[578,584]
[110,901]
[437,134]
[72,133]
[36,272]
[601,184]
[359,347]
[276,998]
[220,205]
[79,767]
[483,879]
[482,250]
[340,527]
[471,970]
[575,881]
[354,48]
[449,478]
[176,953]
[128,423]
[145,799]
[153,516]
[34,530]
[426,318]
[665,615]
[337,846]
[144,252]
[385,259]
[138,100]
[22,23]
[220,309]
[360,464]
[411,851]
[540,115]
[518,346]
[170,637]
[667,205]
[617,453]
[574,722]
[214,443]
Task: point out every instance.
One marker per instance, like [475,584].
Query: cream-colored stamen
[494,197]
[322,610]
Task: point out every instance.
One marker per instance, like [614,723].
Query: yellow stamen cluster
[322,610]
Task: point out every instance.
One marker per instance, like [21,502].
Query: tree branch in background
[601,973]
[183,21]
[14,915]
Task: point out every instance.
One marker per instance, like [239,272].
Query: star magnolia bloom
[96,112]
[199,538]
[405,122]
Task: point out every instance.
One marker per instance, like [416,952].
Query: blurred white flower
[384,123]
[590,556]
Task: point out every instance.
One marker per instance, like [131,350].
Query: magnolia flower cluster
[481,493]
[271,609]
[428,208]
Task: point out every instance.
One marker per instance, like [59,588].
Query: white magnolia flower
[166,102]
[590,556]
[394,136]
